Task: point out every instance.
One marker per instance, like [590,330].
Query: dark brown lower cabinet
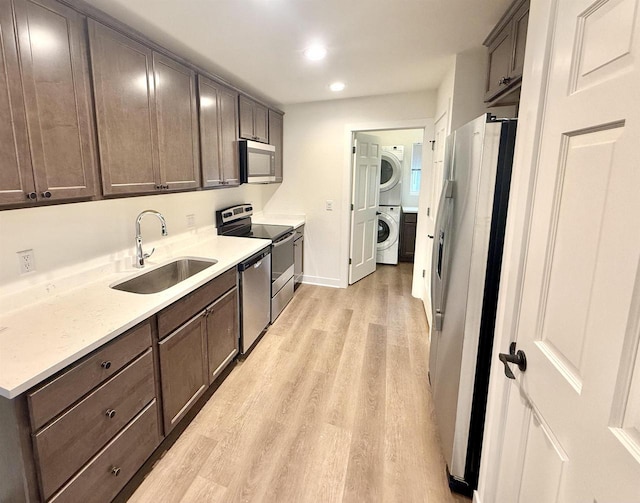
[108,472]
[84,433]
[193,355]
[222,333]
[183,369]
[408,223]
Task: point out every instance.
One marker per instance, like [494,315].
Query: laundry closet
[400,178]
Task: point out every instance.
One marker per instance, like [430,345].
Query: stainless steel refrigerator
[465,277]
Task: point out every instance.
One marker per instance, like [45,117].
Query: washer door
[387,231]
[390,171]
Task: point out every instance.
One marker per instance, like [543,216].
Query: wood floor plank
[364,480]
[173,475]
[325,482]
[203,490]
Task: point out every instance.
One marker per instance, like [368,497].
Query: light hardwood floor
[332,405]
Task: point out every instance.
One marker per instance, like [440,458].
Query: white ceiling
[375,46]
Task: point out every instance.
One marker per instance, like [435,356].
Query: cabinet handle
[46,194]
[106,365]
[110,413]
[166,187]
[32,195]
[115,471]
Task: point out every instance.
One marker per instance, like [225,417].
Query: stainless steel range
[236,221]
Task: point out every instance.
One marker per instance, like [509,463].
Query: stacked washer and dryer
[390,204]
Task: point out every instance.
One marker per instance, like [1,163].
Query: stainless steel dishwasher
[255,298]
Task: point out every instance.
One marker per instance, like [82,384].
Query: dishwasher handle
[255,261]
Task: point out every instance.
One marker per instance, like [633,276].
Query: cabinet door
[260,123]
[408,237]
[520,23]
[177,120]
[183,370]
[222,333]
[246,118]
[229,156]
[500,54]
[16,175]
[55,78]
[275,139]
[209,132]
[125,111]
[219,133]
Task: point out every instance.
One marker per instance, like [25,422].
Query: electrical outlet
[329,205]
[27,261]
[191,221]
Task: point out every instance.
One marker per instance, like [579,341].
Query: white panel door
[364,198]
[573,428]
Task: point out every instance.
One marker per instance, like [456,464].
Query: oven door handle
[284,241]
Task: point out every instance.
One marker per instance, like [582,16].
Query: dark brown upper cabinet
[177,120]
[254,120]
[46,126]
[218,134]
[276,139]
[506,45]
[146,115]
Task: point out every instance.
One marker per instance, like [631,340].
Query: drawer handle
[106,365]
[115,471]
[110,413]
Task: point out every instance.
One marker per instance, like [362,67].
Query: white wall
[69,234]
[406,138]
[317,169]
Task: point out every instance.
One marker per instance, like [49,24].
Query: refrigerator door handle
[440,254]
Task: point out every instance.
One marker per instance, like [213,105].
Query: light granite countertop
[294,220]
[42,334]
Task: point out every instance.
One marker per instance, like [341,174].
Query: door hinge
[349,261]
[424,272]
[351,206]
[353,149]
[428,211]
[433,144]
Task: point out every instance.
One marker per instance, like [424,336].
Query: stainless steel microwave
[257,162]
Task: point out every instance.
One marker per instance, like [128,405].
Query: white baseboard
[320,281]
[476,497]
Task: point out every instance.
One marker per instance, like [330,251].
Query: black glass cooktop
[262,231]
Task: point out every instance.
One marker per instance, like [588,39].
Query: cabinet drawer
[55,396]
[69,442]
[410,218]
[177,313]
[107,473]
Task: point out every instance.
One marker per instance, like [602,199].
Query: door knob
[378,213]
[430,236]
[517,357]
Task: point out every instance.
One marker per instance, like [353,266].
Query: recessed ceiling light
[315,52]
[337,86]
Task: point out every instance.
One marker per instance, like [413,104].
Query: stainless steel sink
[165,276]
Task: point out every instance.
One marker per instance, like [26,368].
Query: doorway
[403,162]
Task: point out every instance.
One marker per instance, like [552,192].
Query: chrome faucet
[140,255]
